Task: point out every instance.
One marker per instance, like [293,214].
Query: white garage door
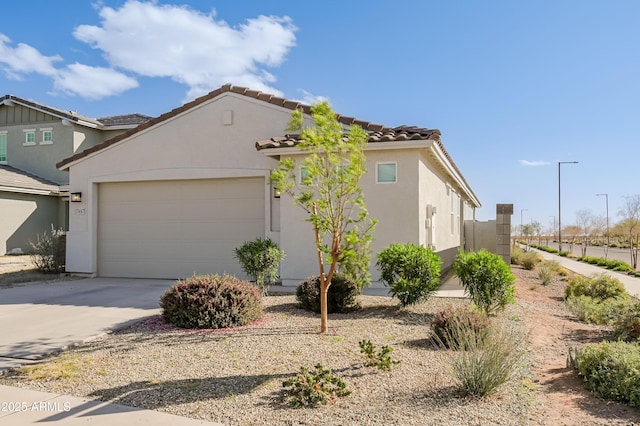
[173,229]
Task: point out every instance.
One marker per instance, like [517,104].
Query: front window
[47,136]
[29,137]
[386,172]
[3,147]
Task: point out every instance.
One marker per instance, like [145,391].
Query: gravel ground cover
[235,376]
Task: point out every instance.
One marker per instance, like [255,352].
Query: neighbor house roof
[75,118]
[16,180]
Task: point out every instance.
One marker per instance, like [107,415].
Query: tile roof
[18,180]
[124,120]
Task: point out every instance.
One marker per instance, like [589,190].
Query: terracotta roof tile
[124,120]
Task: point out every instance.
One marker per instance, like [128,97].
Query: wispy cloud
[309,98]
[167,41]
[533,163]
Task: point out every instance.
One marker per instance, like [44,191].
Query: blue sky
[514,87]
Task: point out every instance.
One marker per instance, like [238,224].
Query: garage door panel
[171,229]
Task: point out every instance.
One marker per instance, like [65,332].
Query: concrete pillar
[503,231]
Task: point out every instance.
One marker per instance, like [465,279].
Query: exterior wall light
[75,197]
[276,193]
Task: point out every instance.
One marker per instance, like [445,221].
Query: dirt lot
[20,270]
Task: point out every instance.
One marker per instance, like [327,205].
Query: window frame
[3,146]
[387,163]
[44,131]
[28,132]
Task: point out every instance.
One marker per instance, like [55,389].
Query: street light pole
[606,252]
[559,208]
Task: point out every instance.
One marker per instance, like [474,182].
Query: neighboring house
[33,138]
[174,196]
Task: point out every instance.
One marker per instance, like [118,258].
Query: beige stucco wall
[24,216]
[195,145]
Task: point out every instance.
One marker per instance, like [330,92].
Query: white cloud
[309,98]
[189,46]
[24,59]
[533,163]
[92,82]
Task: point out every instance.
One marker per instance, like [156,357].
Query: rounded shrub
[260,260]
[529,260]
[627,325]
[411,271]
[597,286]
[487,279]
[612,371]
[211,301]
[453,328]
[342,296]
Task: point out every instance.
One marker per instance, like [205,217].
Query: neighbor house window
[47,136]
[304,176]
[30,137]
[387,172]
[3,147]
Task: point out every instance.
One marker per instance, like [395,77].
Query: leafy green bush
[564,253]
[381,360]
[48,252]
[597,286]
[310,388]
[598,311]
[612,371]
[613,264]
[448,324]
[483,360]
[342,297]
[544,248]
[211,301]
[627,324]
[487,279]
[260,260]
[411,271]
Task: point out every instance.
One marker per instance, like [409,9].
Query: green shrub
[310,388]
[448,324]
[260,260]
[598,311]
[529,260]
[516,254]
[627,324]
[597,286]
[487,279]
[381,359]
[564,253]
[547,270]
[211,301]
[483,361]
[612,371]
[342,297]
[411,271]
[48,252]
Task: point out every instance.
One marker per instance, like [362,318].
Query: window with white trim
[387,172]
[304,176]
[3,147]
[47,136]
[29,136]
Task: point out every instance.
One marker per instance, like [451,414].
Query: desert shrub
[260,260]
[381,359]
[516,254]
[342,297]
[612,371]
[48,252]
[449,323]
[482,361]
[487,279]
[598,311]
[564,253]
[547,270]
[627,324]
[211,301]
[613,264]
[597,286]
[529,260]
[310,388]
[411,271]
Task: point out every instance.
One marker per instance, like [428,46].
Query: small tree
[48,251]
[331,196]
[584,221]
[630,223]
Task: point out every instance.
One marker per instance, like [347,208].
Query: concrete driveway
[39,319]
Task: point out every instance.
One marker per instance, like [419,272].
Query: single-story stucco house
[174,196]
[34,193]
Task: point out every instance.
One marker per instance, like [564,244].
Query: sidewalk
[20,407]
[631,283]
